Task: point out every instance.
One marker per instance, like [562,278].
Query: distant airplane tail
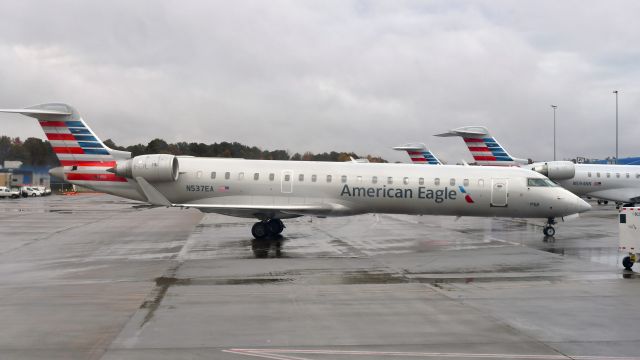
[484,148]
[419,154]
[83,156]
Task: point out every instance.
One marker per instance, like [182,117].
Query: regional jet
[271,191]
[619,183]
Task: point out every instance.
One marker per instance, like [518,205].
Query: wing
[260,211]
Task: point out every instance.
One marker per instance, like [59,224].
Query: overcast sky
[325,75]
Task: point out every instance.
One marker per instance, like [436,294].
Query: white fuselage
[355,188]
[609,182]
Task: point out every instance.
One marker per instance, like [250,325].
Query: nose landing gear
[548,229]
[628,261]
[266,233]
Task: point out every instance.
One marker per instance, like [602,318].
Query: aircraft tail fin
[81,153]
[484,148]
[419,154]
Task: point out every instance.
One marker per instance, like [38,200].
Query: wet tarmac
[96,277]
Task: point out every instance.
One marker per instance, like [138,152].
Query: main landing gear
[548,229]
[266,233]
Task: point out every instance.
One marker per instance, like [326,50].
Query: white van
[30,191]
[6,192]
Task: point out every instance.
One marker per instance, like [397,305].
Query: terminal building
[609,160]
[15,174]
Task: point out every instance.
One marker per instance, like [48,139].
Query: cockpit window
[540,182]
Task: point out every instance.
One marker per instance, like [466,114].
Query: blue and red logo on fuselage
[467,197]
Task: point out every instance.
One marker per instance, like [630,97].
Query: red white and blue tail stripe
[419,154]
[484,148]
[81,153]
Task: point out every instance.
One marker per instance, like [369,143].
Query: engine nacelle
[556,170]
[153,168]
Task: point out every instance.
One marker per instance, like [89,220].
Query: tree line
[37,152]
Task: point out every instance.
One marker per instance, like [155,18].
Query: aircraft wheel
[275,226]
[549,230]
[259,230]
[599,202]
[627,263]
[606,202]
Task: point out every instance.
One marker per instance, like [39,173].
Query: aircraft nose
[581,205]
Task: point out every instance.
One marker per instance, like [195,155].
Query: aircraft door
[499,192]
[286,181]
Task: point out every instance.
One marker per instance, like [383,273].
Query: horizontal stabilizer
[411,147]
[466,131]
[38,113]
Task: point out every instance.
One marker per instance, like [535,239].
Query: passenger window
[481,183]
[213,174]
[618,175]
[405,181]
[301,177]
[287,177]
[637,176]
[421,181]
[328,178]
[627,175]
[390,180]
[608,175]
[272,176]
[314,178]
[452,182]
[597,174]
[256,176]
[344,178]
[589,174]
[227,175]
[240,175]
[465,182]
[374,180]
[199,174]
[359,179]
[436,181]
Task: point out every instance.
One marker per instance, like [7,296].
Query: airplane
[419,154]
[271,190]
[619,183]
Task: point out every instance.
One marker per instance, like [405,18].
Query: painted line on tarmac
[285,354]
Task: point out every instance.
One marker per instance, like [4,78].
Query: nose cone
[581,205]
[57,172]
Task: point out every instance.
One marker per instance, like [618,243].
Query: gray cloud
[361,75]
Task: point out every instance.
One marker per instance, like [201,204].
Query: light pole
[554,107]
[616,92]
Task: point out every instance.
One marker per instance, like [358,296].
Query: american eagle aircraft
[619,183]
[271,191]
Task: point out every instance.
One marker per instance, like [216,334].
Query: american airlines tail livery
[419,154]
[484,148]
[271,191]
